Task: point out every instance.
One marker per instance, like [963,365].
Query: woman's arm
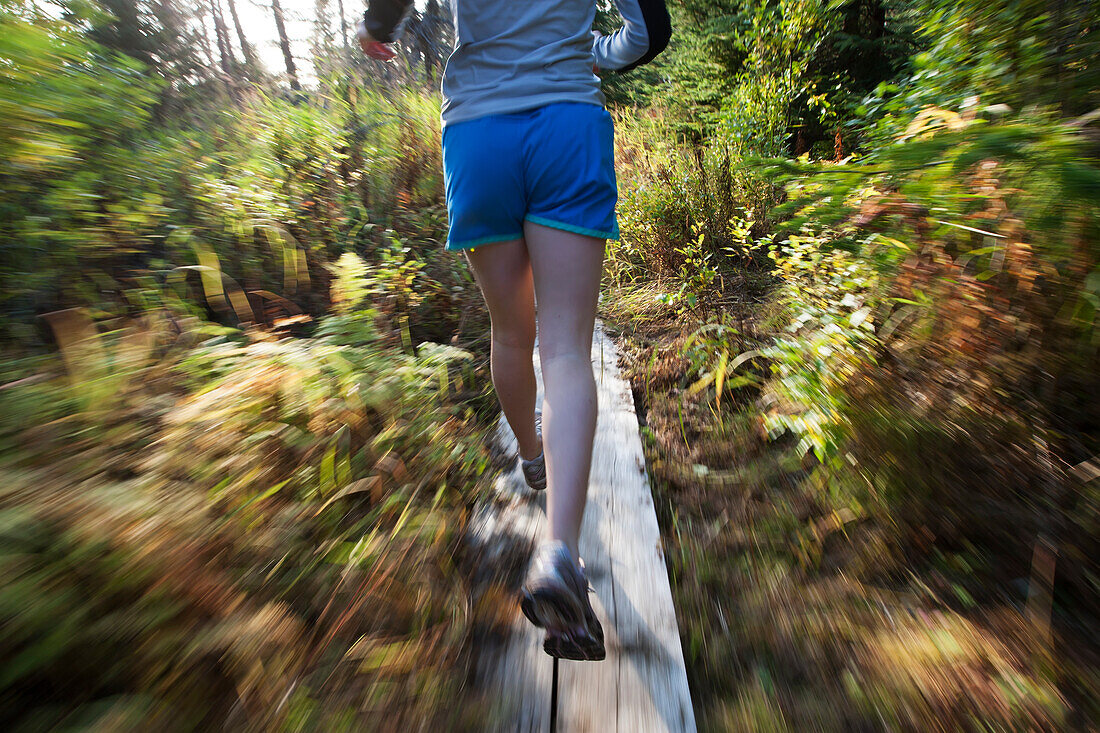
[645,33]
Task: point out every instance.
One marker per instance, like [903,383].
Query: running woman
[528,161]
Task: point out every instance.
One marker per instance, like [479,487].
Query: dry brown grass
[809,603]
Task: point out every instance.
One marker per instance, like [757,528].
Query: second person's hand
[374,49]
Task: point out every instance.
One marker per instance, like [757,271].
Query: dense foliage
[236,468]
[886,387]
[244,406]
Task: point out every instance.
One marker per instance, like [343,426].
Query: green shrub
[683,212]
[99,192]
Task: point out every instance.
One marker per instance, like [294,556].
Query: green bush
[683,212]
[98,192]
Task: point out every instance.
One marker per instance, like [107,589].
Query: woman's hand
[374,49]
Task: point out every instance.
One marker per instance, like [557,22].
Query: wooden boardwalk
[642,685]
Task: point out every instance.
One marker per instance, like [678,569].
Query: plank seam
[554,699]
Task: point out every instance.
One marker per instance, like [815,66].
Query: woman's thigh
[567,269]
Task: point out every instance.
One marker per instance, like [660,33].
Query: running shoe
[555,598]
[534,470]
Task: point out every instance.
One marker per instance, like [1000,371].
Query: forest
[245,401]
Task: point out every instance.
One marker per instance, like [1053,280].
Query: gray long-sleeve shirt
[512,55]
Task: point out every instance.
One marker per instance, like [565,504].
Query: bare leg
[567,268]
[503,272]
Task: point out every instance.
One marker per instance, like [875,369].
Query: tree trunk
[343,22]
[435,45]
[322,40]
[249,52]
[284,44]
[212,64]
[204,39]
[229,62]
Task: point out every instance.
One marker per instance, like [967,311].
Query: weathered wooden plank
[644,654]
[515,673]
[642,685]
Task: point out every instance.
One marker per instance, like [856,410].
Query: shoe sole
[567,649]
[538,430]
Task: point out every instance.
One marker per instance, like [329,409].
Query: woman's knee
[576,344]
[514,335]
[574,361]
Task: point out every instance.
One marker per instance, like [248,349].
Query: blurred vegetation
[99,192]
[244,402]
[258,532]
[244,406]
[860,294]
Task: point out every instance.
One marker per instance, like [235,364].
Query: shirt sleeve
[645,33]
[383,17]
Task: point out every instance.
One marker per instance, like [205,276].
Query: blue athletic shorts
[552,165]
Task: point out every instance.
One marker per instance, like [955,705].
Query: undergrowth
[870,423]
[243,411]
[239,529]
